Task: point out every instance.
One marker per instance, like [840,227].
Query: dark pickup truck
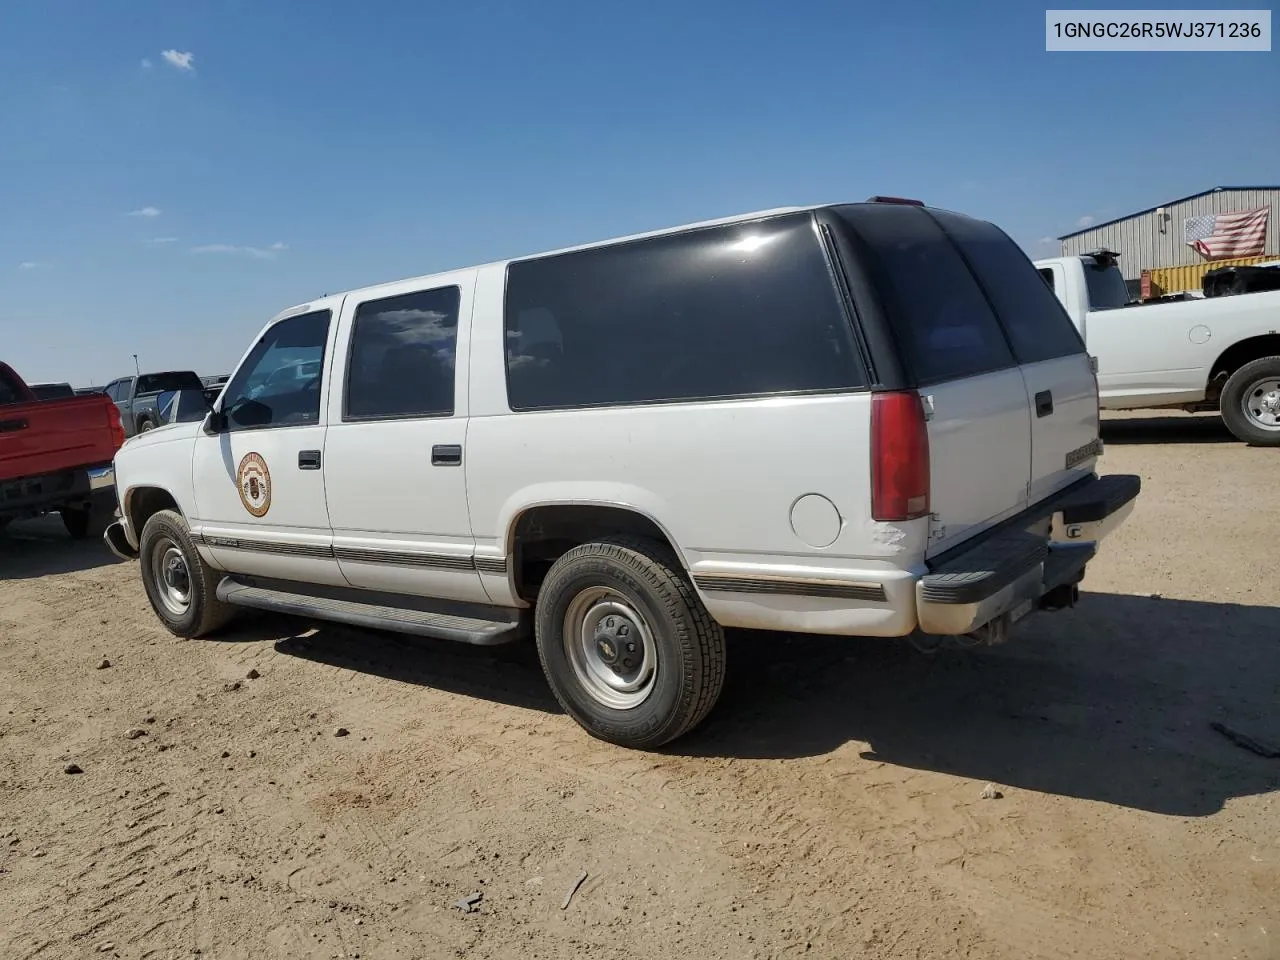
[50,451]
[138,398]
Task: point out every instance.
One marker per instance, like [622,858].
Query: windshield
[1106,285]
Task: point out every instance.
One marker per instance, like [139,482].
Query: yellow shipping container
[1178,279]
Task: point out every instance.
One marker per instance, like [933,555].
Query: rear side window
[402,356]
[943,324]
[738,311]
[1038,326]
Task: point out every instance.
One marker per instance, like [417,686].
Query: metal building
[1155,237]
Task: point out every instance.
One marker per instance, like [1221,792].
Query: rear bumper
[1036,560]
[33,496]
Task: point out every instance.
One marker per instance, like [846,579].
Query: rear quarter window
[1038,327]
[745,310]
[944,327]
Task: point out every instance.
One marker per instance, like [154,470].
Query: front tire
[627,647]
[182,588]
[145,426]
[1250,403]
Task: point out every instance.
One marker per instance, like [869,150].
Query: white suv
[864,420]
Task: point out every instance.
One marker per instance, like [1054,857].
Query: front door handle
[308,459]
[13,426]
[446,455]
[1044,403]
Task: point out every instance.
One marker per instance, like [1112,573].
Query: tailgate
[54,435]
[1061,389]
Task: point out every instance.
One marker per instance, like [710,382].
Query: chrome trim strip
[441,561]
[491,564]
[795,587]
[435,561]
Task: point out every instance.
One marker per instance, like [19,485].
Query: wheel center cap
[1271,402]
[607,649]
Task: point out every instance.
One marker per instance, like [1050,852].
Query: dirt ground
[830,808]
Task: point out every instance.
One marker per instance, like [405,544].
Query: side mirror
[215,423]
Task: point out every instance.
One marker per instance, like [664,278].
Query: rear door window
[944,325]
[1038,327]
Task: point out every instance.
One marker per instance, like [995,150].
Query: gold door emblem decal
[254,481]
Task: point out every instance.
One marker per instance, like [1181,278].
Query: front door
[395,454]
[259,486]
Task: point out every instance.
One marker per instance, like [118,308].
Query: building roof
[1168,203]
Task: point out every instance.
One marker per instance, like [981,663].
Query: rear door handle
[446,455]
[1044,403]
[13,426]
[308,459]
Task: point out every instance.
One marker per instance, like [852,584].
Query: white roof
[426,278]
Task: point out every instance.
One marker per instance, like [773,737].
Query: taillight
[116,425]
[899,457]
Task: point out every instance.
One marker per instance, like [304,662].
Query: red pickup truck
[48,449]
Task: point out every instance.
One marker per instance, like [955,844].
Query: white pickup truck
[623,449]
[1215,353]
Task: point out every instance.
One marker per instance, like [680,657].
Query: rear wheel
[1250,402]
[626,645]
[77,520]
[181,586]
[146,425]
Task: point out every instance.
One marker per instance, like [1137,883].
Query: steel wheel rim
[610,649]
[1260,403]
[172,577]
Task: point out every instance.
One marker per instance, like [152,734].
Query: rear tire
[1250,403]
[77,520]
[182,588]
[626,645]
[146,425]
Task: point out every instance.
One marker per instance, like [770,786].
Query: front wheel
[145,426]
[629,650]
[181,587]
[1250,402]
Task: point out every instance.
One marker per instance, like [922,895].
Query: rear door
[957,354]
[1055,365]
[395,456]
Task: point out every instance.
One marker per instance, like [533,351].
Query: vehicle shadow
[30,549]
[1112,701]
[507,674]
[1200,428]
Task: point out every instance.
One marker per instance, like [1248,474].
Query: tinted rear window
[1038,327]
[737,311]
[160,382]
[943,324]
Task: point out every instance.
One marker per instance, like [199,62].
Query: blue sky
[168,205]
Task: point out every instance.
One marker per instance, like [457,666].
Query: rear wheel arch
[1237,355]
[540,534]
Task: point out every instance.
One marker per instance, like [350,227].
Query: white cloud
[1085,221]
[258,253]
[31,265]
[1045,241]
[161,240]
[145,212]
[146,64]
[182,61]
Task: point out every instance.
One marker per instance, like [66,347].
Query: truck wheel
[182,588]
[626,645]
[146,425]
[1250,402]
[77,520]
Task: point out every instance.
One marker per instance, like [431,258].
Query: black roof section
[1167,203]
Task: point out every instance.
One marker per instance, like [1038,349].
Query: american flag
[1242,234]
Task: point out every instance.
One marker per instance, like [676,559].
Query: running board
[442,626]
